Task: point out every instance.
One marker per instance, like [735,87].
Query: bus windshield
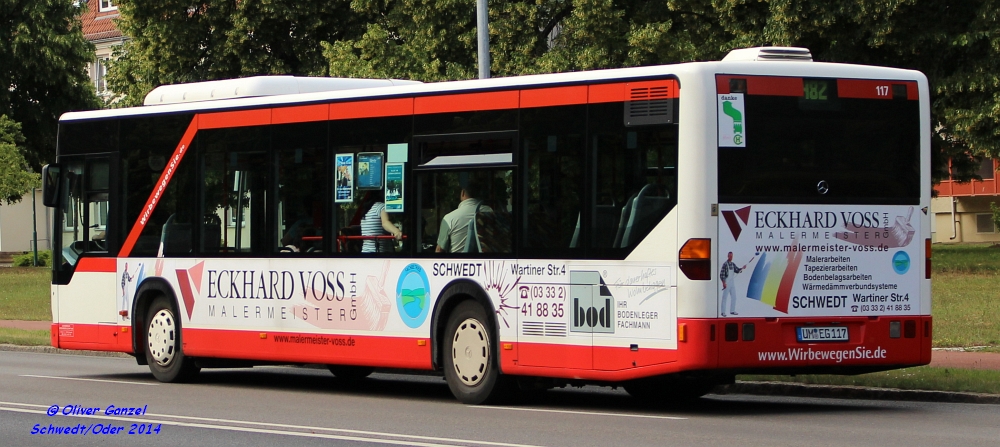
[864,151]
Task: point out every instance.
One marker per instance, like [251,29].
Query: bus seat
[622,224]
[175,238]
[642,211]
[211,237]
[492,230]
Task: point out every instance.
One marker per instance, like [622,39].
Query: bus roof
[365,90]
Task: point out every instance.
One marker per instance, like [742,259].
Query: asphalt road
[302,406]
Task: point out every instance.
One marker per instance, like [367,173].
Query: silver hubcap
[470,352]
[161,337]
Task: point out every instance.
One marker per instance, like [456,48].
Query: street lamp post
[34,227]
[482,25]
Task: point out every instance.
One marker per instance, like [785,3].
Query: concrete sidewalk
[939,359]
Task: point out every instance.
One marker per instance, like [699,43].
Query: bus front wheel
[163,344]
[470,359]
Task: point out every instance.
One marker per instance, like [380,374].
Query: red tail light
[696,259]
[927,258]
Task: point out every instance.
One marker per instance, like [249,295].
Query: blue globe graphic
[901,262]
[412,295]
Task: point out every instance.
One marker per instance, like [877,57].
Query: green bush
[27,259]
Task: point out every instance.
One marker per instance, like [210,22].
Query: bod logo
[593,304]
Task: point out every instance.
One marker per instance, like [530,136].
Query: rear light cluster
[696,259]
[927,258]
[733,332]
[906,329]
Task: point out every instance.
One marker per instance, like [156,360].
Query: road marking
[88,380]
[587,413]
[362,435]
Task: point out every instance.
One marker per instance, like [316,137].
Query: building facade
[100,29]
[961,211]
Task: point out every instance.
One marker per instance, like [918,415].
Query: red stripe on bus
[763,85]
[606,93]
[371,109]
[389,352]
[872,89]
[161,185]
[240,118]
[557,96]
[466,102]
[97,265]
[300,114]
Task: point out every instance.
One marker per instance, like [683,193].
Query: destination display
[795,260]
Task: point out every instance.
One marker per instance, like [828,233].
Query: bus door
[82,244]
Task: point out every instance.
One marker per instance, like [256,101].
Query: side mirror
[51,182]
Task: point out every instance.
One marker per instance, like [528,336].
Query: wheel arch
[147,291]
[451,295]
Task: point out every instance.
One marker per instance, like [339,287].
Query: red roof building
[100,29]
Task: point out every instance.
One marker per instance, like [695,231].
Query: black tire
[350,373]
[162,343]
[668,391]
[470,357]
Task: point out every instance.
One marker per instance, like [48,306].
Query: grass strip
[965,258]
[965,308]
[25,293]
[25,338]
[917,378]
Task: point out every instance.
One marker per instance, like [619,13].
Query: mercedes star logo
[822,187]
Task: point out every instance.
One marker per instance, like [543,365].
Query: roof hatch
[769,54]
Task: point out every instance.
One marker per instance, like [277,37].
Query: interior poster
[394,187]
[802,260]
[344,186]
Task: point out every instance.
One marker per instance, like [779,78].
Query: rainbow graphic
[771,282]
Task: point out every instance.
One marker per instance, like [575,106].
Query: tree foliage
[174,41]
[43,74]
[15,179]
[955,43]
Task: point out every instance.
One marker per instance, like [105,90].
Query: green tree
[173,41]
[15,179]
[43,74]
[955,44]
[996,215]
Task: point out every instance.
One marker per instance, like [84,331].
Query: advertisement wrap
[821,260]
[544,302]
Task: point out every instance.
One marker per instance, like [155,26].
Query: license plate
[821,333]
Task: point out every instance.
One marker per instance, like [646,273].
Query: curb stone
[51,350]
[854,392]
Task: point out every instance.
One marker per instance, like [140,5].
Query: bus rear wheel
[164,355]
[470,357]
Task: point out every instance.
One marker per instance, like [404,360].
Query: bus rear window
[821,148]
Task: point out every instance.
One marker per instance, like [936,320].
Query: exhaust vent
[651,103]
[769,54]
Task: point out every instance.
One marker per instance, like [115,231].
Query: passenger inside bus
[454,231]
[376,222]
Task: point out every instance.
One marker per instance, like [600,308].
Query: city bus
[659,228]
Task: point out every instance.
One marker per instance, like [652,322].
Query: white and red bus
[663,228]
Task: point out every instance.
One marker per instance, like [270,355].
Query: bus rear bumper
[772,345]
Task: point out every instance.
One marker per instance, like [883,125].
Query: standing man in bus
[729,284]
[453,234]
